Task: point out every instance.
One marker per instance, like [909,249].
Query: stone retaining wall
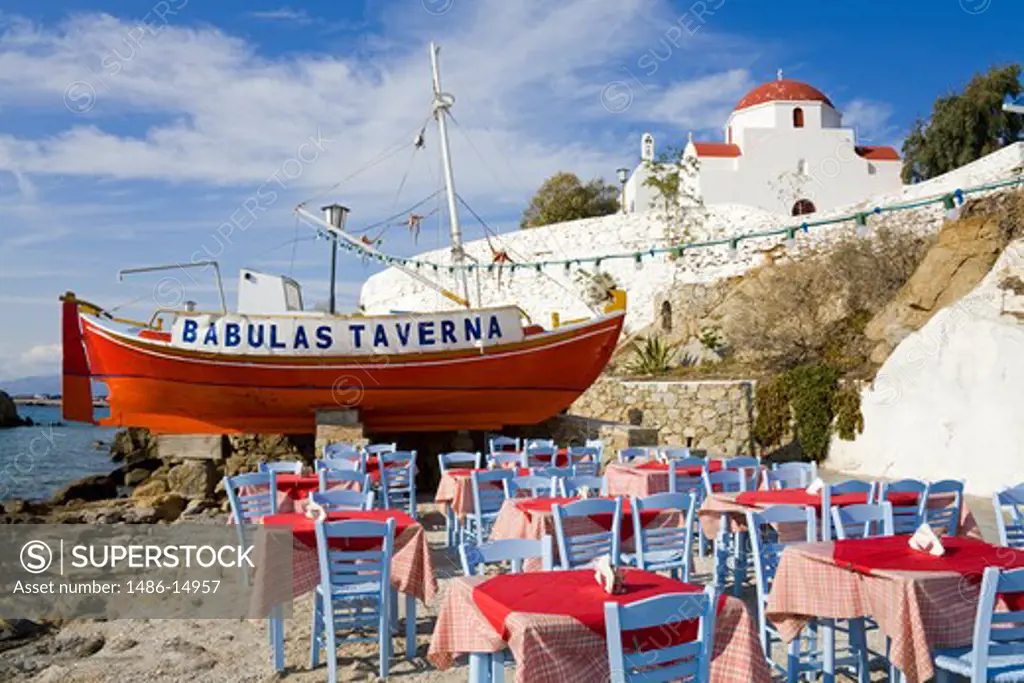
[714,415]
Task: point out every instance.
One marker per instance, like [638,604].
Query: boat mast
[442,103]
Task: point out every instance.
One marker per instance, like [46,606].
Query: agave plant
[651,356]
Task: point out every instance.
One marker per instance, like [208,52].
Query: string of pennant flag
[950,201]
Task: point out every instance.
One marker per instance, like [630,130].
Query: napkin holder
[607,576]
[583,492]
[315,511]
[816,486]
[925,540]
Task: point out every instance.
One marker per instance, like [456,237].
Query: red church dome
[783,89]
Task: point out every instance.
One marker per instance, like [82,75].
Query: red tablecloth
[801,497]
[373,467]
[690,471]
[965,556]
[304,528]
[576,594]
[297,486]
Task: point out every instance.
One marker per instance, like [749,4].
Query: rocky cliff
[9,413]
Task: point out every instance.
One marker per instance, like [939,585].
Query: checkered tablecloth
[718,504]
[558,649]
[627,480]
[919,611]
[412,571]
[455,491]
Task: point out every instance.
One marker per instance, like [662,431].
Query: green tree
[964,127]
[563,197]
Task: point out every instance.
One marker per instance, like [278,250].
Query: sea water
[36,461]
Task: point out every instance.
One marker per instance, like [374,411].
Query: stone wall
[713,415]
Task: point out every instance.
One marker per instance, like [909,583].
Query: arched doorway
[666,316]
[798,118]
[802,207]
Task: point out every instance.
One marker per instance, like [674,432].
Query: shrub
[651,356]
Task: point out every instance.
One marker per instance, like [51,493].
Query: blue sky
[131,132]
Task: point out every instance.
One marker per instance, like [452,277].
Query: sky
[138,133]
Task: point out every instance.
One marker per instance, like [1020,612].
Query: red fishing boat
[270,366]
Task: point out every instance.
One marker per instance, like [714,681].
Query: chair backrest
[905,518]
[259,500]
[514,551]
[598,444]
[487,500]
[997,632]
[398,480]
[862,521]
[554,471]
[725,481]
[741,461]
[457,459]
[785,479]
[1010,503]
[343,479]
[570,486]
[341,499]
[353,464]
[341,450]
[585,460]
[943,506]
[810,469]
[538,456]
[630,454]
[500,444]
[838,489]
[681,482]
[578,549]
[504,459]
[677,453]
[355,552]
[661,659]
[282,467]
[655,539]
[380,448]
[771,530]
[538,443]
[529,486]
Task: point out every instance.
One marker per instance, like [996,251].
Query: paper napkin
[925,540]
[314,511]
[605,574]
[816,486]
[583,492]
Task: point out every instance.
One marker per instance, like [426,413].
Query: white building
[784,150]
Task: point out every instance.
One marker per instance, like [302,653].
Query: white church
[784,150]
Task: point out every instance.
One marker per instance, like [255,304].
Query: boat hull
[175,391]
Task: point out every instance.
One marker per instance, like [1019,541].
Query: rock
[15,506]
[94,487]
[151,488]
[9,413]
[20,629]
[136,476]
[694,353]
[132,445]
[122,645]
[55,673]
[193,479]
[168,507]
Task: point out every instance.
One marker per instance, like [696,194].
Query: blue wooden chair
[944,519]
[664,661]
[530,486]
[341,499]
[538,456]
[905,518]
[538,443]
[837,489]
[676,452]
[1010,503]
[808,469]
[505,460]
[585,460]
[341,450]
[455,460]
[488,497]
[775,480]
[354,593]
[282,467]
[514,551]
[577,550]
[259,500]
[741,462]
[767,545]
[398,480]
[347,479]
[380,448]
[628,455]
[570,486]
[869,520]
[681,482]
[997,652]
[729,543]
[357,463]
[555,472]
[598,444]
[725,481]
[667,549]
[499,444]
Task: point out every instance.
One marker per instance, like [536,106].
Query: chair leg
[384,639]
[498,667]
[330,642]
[828,644]
[793,661]
[315,631]
[479,667]
[394,611]
[410,627]
[739,572]
[859,643]
[276,628]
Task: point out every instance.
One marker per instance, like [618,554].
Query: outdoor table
[292,490]
[455,491]
[647,478]
[412,572]
[920,601]
[554,624]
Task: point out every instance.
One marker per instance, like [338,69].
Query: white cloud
[704,102]
[286,14]
[872,121]
[43,354]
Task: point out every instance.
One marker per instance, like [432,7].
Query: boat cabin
[264,294]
